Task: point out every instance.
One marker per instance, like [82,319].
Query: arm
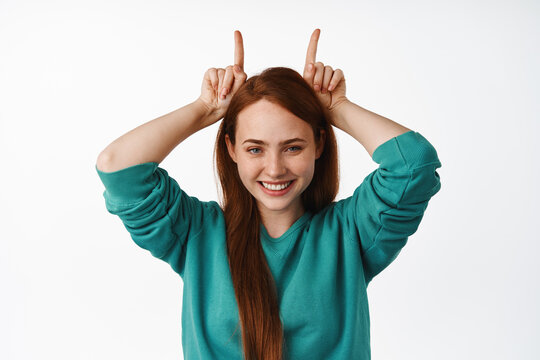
[370,129]
[387,207]
[158,214]
[154,140]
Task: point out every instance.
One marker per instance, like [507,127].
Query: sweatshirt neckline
[296,225]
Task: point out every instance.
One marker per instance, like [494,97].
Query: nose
[275,166]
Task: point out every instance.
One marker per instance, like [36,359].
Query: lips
[277,192]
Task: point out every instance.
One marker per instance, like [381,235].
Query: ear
[230,148]
[320,145]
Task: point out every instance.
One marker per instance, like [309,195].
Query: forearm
[154,140]
[370,129]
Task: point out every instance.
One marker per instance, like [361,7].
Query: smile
[276,189]
[276,186]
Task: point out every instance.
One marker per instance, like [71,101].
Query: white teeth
[276,187]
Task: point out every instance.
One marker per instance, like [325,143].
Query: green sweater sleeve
[389,204]
[157,213]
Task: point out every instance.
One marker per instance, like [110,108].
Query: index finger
[238,49]
[312,48]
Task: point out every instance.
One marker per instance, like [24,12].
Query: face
[275,152]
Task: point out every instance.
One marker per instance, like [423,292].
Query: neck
[277,222]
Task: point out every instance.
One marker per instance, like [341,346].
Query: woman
[279,270]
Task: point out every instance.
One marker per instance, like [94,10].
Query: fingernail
[316,87]
[331,87]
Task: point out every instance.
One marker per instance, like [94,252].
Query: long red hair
[256,295]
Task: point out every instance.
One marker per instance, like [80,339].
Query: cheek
[305,166]
[309,174]
[247,170]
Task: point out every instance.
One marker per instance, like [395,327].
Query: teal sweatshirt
[322,264]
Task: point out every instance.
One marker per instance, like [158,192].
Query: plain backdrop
[76,75]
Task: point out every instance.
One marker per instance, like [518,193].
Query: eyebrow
[285,142]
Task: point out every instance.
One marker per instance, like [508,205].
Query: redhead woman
[278,269]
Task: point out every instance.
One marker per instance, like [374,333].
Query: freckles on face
[266,131]
[273,148]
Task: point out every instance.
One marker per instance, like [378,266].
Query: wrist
[206,114]
[337,112]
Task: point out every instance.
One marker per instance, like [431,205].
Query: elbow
[103,160]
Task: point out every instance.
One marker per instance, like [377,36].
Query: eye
[296,148]
[251,150]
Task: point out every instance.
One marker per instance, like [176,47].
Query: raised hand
[219,85]
[329,84]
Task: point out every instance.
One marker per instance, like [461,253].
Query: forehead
[271,123]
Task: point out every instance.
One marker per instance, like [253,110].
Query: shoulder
[214,208]
[339,215]
[208,209]
[332,212]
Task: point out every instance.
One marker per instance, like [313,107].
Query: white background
[75,75]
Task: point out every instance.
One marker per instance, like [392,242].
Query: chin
[274,206]
[280,203]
